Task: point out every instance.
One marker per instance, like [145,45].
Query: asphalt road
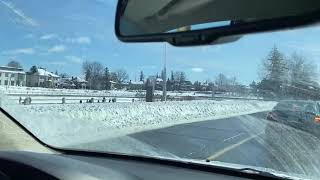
[247,140]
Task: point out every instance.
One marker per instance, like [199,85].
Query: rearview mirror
[198,22]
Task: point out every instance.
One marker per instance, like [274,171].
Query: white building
[42,78]
[12,76]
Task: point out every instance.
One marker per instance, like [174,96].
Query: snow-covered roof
[65,79]
[17,72]
[80,80]
[7,69]
[43,72]
[11,68]
[159,80]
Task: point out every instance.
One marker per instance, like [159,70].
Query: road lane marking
[231,147]
[233,137]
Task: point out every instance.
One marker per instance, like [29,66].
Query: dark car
[302,115]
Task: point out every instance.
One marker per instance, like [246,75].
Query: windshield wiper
[265,173]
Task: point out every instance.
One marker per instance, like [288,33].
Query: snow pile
[72,123]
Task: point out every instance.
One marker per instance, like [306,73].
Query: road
[241,140]
[247,140]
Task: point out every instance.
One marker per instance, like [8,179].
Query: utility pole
[164,76]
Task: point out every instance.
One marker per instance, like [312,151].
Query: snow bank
[74,123]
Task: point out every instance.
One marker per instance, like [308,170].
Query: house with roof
[136,85]
[42,78]
[72,83]
[79,82]
[12,76]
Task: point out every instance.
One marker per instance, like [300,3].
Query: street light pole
[164,75]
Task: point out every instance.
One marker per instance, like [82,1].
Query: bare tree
[177,76]
[113,77]
[221,81]
[303,78]
[301,70]
[121,75]
[232,85]
[87,70]
[93,74]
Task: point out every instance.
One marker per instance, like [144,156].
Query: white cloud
[27,51]
[197,69]
[80,40]
[48,36]
[57,48]
[74,59]
[25,19]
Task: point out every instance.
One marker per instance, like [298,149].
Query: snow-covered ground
[67,124]
[15,90]
[78,125]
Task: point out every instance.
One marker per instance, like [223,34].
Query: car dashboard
[30,165]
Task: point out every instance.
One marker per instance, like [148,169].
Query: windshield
[68,80]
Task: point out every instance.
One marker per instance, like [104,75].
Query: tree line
[283,77]
[99,77]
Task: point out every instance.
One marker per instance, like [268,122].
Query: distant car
[302,115]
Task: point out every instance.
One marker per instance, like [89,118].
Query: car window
[66,78]
[283,105]
[310,108]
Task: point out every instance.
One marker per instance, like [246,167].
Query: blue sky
[60,35]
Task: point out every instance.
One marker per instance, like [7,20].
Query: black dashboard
[30,165]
